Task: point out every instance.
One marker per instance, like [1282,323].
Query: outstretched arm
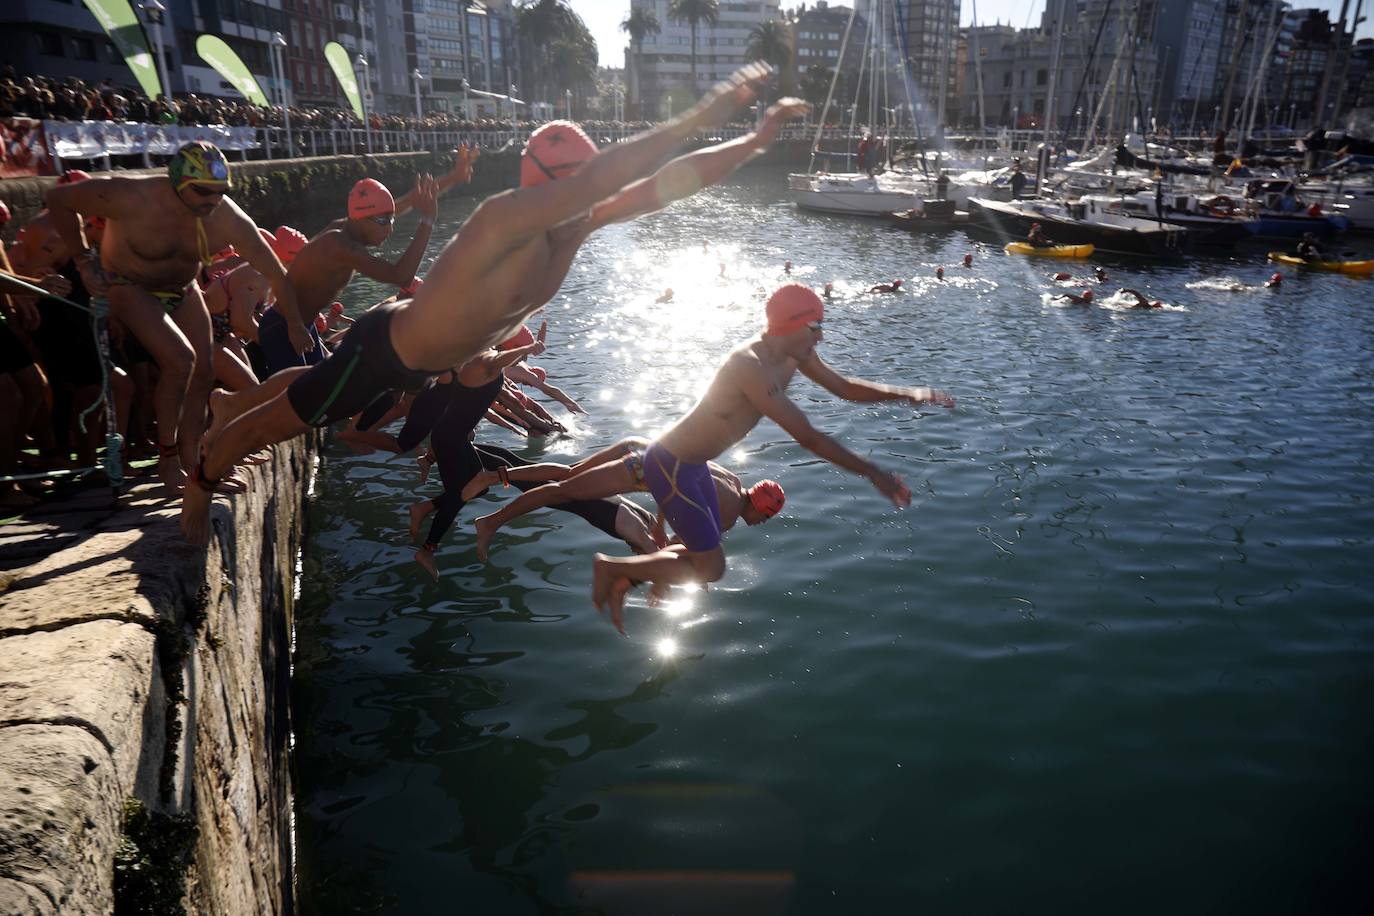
[523,212]
[775,405]
[865,392]
[461,173]
[691,172]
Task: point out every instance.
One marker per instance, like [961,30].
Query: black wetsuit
[65,343]
[364,368]
[459,461]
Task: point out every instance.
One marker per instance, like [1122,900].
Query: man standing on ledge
[508,260]
[159,232]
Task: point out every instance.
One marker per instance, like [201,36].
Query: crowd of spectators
[71,99]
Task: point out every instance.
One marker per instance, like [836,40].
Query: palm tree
[553,42]
[694,12]
[641,23]
[768,41]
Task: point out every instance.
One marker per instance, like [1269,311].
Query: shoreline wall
[134,667]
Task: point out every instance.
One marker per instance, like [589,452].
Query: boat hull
[1010,224]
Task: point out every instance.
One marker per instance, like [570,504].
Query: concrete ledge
[97,600]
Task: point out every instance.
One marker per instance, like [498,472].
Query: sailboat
[879,193]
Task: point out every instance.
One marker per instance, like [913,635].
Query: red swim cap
[413,287]
[1276,278]
[287,243]
[370,197]
[4,213]
[1088,295]
[767,497]
[538,372]
[792,307]
[968,259]
[939,275]
[336,308]
[521,338]
[1062,275]
[72,176]
[555,150]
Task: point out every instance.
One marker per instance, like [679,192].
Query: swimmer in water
[1100,275]
[829,292]
[894,286]
[939,273]
[787,267]
[1083,298]
[751,384]
[1140,301]
[968,260]
[666,296]
[1275,281]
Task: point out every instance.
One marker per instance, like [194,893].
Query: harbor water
[1117,656]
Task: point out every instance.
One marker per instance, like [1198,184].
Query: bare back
[483,276]
[725,414]
[322,269]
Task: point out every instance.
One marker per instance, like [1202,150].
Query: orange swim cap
[767,497]
[521,338]
[287,243]
[370,197]
[538,372]
[555,150]
[792,307]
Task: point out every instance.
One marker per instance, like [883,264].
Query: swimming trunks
[686,495]
[364,368]
[169,299]
[277,351]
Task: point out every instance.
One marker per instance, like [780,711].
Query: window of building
[1041,77]
[50,44]
[83,49]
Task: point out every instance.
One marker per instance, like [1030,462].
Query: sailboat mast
[1043,166]
[978,71]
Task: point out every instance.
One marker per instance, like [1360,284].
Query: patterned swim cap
[201,163]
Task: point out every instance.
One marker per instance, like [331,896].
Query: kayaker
[1036,237]
[1308,249]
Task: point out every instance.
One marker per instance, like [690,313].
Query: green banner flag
[229,65]
[343,71]
[117,18]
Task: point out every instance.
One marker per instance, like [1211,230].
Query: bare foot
[486,529]
[425,557]
[418,511]
[425,463]
[609,588]
[231,483]
[170,472]
[195,515]
[658,592]
[221,412]
[479,484]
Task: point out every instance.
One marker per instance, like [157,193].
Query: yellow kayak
[1359,268]
[1054,251]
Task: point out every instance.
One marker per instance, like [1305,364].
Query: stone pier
[133,667]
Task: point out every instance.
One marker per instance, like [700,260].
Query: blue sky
[603,17]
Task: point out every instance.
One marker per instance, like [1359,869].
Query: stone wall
[134,666]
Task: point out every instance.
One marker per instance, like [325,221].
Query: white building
[721,49]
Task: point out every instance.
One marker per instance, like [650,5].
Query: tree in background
[815,84]
[694,12]
[558,51]
[768,41]
[640,24]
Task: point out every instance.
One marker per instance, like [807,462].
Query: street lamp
[278,45]
[154,10]
[510,94]
[417,76]
[567,96]
[367,125]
